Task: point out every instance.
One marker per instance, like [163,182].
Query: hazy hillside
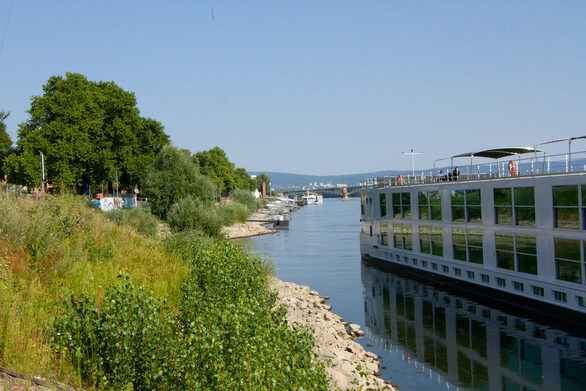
[282,181]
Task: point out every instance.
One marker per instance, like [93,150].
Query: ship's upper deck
[505,163]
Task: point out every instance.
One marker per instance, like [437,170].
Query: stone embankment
[335,345]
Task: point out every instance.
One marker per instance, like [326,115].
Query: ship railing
[541,165]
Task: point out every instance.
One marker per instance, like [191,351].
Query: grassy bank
[99,305]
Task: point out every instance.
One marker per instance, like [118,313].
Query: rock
[334,344]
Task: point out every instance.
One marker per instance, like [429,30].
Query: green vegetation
[246,198]
[263,178]
[138,218]
[172,177]
[215,164]
[89,132]
[192,214]
[5,142]
[98,305]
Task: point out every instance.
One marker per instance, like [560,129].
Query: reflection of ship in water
[470,345]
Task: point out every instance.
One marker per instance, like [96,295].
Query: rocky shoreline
[347,363]
[244,230]
[334,338]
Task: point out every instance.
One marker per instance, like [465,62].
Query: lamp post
[412,159]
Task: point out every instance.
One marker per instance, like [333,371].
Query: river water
[427,339]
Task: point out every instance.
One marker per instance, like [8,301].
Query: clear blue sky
[316,87]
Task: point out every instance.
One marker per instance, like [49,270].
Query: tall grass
[57,247]
[95,304]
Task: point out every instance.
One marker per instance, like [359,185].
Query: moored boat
[515,226]
[312,198]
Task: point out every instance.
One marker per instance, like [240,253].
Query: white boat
[312,199]
[512,228]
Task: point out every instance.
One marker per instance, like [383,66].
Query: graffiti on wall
[114,203]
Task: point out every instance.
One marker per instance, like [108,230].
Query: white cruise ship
[513,226]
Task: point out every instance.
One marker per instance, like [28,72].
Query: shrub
[230,214]
[244,197]
[192,214]
[171,177]
[127,340]
[226,214]
[138,218]
[226,337]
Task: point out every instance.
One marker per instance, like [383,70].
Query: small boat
[312,199]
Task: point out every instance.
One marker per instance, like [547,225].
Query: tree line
[91,134]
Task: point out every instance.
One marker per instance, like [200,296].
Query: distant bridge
[331,192]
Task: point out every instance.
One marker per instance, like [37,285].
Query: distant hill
[285,181]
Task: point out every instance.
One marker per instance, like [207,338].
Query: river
[427,339]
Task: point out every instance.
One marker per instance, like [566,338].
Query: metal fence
[505,168]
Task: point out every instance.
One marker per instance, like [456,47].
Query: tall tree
[5,142]
[89,132]
[215,164]
[243,180]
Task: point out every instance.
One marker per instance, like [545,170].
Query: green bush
[230,214]
[226,214]
[192,214]
[129,339]
[225,337]
[138,218]
[172,177]
[244,197]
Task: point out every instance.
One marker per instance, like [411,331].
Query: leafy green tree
[170,178]
[243,180]
[89,132]
[263,178]
[5,142]
[215,164]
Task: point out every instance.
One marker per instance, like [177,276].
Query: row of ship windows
[485,278]
[513,206]
[513,251]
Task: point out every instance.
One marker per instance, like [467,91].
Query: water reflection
[459,343]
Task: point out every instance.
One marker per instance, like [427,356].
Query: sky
[316,87]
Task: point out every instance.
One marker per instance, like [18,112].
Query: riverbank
[247,229]
[347,363]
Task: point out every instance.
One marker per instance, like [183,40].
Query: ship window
[383,204]
[424,263]
[580,301]
[457,272]
[518,286]
[470,275]
[401,205]
[431,241]
[516,252]
[445,269]
[430,205]
[537,290]
[466,205]
[467,245]
[371,230]
[485,278]
[568,260]
[566,208]
[501,282]
[402,236]
[434,266]
[384,233]
[514,206]
[415,261]
[560,296]
[362,204]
